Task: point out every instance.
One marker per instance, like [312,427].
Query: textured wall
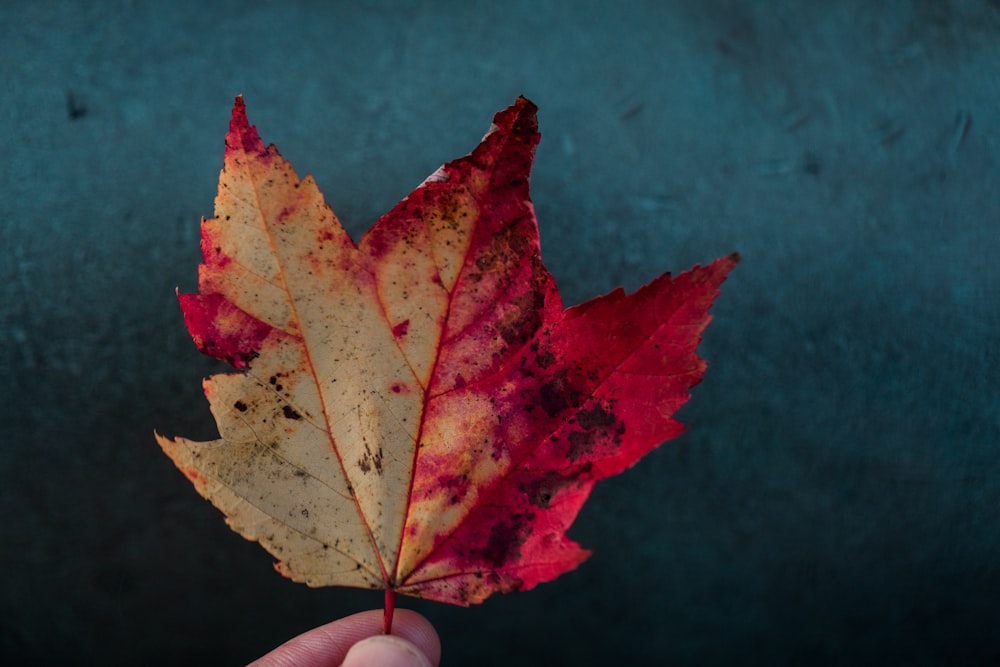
[836,498]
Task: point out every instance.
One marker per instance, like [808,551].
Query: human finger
[328,644]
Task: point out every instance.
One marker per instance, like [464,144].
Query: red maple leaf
[419,412]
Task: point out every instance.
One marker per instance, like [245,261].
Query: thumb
[385,651]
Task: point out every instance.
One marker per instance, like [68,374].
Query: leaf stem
[390,607]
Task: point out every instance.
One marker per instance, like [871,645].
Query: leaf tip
[242,135]
[723,265]
[521,117]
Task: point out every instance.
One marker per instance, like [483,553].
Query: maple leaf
[418,412]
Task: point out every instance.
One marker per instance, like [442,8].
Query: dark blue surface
[835,500]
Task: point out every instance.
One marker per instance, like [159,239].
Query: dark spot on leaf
[596,417]
[370,460]
[540,491]
[400,329]
[580,443]
[558,394]
[520,323]
[457,484]
[506,538]
[290,412]
[240,405]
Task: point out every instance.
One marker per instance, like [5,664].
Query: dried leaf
[418,412]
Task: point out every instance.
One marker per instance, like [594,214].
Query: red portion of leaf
[419,412]
[595,390]
[243,140]
[222,330]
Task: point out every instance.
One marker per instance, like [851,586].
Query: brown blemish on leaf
[505,541]
[545,359]
[559,394]
[454,485]
[523,320]
[541,491]
[580,443]
[369,460]
[596,417]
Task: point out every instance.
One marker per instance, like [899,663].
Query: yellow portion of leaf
[326,418]
[312,418]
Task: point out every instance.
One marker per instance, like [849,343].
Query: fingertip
[329,644]
[386,651]
[414,627]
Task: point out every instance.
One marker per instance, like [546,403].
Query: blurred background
[835,499]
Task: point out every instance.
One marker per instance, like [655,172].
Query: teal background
[835,499]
